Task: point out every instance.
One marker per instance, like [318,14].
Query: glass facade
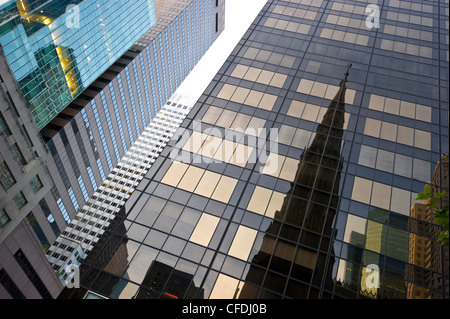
[56,49]
[101,209]
[87,144]
[296,173]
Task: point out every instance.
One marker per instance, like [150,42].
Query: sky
[239,15]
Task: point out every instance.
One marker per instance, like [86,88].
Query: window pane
[267,102]
[403,165]
[6,176]
[242,242]
[207,184]
[388,131]
[20,200]
[204,229]
[385,161]
[372,127]
[4,218]
[367,156]
[296,109]
[36,183]
[174,173]
[239,71]
[224,189]
[212,115]
[361,190]
[191,178]
[381,195]
[225,287]
[259,201]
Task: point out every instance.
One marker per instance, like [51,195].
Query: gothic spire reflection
[305,217]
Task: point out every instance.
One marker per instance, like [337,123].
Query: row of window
[398,133]
[8,180]
[200,181]
[249,97]
[233,120]
[202,229]
[104,205]
[30,272]
[259,75]
[361,39]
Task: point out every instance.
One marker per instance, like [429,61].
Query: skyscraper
[50,50]
[57,48]
[246,217]
[93,95]
[83,233]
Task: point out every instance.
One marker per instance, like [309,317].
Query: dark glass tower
[308,209]
[327,209]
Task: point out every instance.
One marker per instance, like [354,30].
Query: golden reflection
[389,131]
[252,74]
[191,178]
[289,167]
[224,189]
[242,242]
[241,155]
[225,153]
[259,200]
[227,91]
[224,288]
[240,122]
[349,37]
[425,251]
[207,184]
[210,146]
[226,118]
[273,165]
[240,95]
[267,102]
[212,115]
[239,71]
[216,148]
[265,77]
[381,195]
[323,90]
[204,230]
[284,168]
[254,98]
[302,138]
[195,141]
[174,173]
[278,80]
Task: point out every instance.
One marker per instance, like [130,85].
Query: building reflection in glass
[306,213]
[413,253]
[121,268]
[429,257]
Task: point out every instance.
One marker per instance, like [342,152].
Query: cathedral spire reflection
[305,219]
